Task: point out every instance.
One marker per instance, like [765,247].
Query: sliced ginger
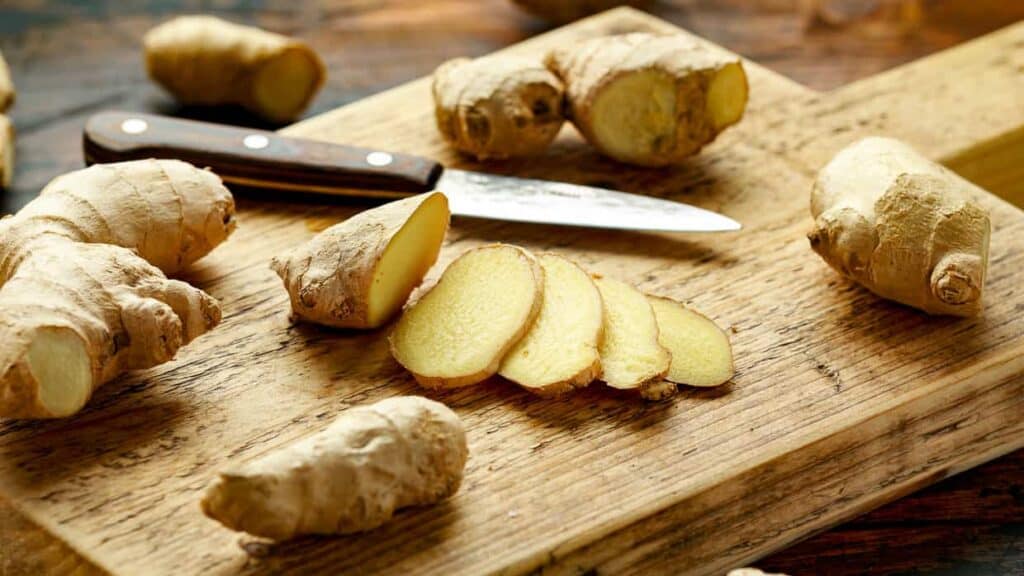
[647,99]
[560,352]
[631,356]
[459,331]
[701,353]
[359,273]
[207,61]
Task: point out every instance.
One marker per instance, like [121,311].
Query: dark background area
[70,59]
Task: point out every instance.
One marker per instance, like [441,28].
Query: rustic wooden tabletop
[70,59]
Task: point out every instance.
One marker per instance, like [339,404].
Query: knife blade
[269,160]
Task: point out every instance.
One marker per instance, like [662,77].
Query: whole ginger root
[648,99]
[207,61]
[497,106]
[83,296]
[351,477]
[901,226]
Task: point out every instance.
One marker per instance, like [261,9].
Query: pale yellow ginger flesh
[6,151]
[647,99]
[207,61]
[564,11]
[459,331]
[560,352]
[631,356]
[83,295]
[351,477]
[701,353]
[7,94]
[497,106]
[359,273]
[902,226]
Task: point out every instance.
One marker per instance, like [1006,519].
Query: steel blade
[513,199]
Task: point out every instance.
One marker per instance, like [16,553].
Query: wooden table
[69,61]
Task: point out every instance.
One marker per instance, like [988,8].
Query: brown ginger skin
[206,61]
[352,477]
[902,226]
[331,279]
[83,295]
[650,100]
[497,106]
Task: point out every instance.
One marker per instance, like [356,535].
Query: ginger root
[207,61]
[565,11]
[83,296]
[901,226]
[497,106]
[560,352]
[373,460]
[650,100]
[631,356]
[701,353]
[459,331]
[359,273]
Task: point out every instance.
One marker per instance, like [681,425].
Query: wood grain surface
[825,409]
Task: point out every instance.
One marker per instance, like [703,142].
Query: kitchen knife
[269,160]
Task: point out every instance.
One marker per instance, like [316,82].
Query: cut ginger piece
[359,273]
[701,353]
[631,357]
[560,352]
[459,331]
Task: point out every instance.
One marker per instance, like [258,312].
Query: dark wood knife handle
[256,157]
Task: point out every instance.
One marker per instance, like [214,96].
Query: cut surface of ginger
[631,357]
[701,353]
[407,259]
[560,352]
[459,331]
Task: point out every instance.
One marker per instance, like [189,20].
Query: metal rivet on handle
[379,159]
[134,126]
[256,141]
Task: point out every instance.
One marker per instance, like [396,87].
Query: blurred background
[71,58]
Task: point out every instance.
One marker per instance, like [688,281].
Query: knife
[264,159]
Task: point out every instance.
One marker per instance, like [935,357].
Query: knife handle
[256,157]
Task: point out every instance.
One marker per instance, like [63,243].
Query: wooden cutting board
[841,401]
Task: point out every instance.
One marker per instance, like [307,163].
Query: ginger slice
[359,273]
[560,352]
[701,353]
[459,331]
[631,357]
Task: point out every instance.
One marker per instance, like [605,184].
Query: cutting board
[841,401]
